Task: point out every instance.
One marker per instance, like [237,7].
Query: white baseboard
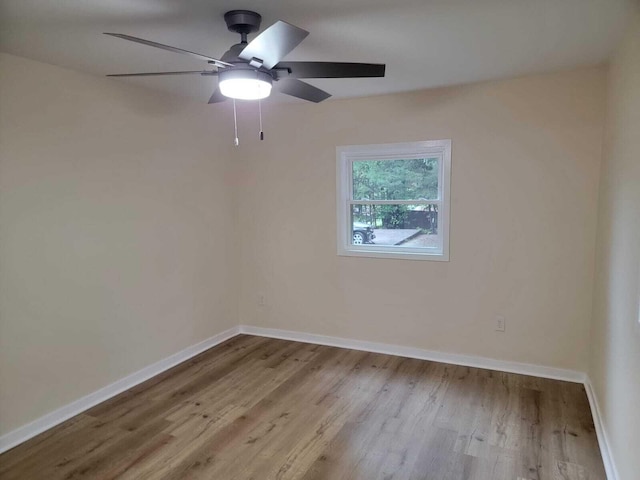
[421,354]
[25,432]
[601,433]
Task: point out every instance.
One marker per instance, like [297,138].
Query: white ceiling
[425,43]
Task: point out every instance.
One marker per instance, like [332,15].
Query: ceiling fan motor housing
[232,55]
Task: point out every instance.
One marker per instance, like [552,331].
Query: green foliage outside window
[413,179]
[410,179]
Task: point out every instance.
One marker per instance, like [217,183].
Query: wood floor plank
[254,408]
[41,443]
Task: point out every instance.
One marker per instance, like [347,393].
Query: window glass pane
[413,179]
[407,225]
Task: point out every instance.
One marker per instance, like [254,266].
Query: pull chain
[236,142]
[260,115]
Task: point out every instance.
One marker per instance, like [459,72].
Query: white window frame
[346,155]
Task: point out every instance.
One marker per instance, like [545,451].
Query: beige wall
[615,347]
[525,166]
[116,233]
[129,230]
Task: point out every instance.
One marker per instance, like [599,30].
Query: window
[393,200]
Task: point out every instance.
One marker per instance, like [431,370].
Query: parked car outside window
[362,233]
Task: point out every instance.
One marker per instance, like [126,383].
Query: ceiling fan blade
[274,43]
[199,56]
[217,97]
[153,74]
[300,89]
[331,69]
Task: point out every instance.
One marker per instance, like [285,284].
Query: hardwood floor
[257,408]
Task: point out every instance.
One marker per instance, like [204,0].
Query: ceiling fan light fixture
[245,84]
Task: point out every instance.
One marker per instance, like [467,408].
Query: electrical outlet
[500,324]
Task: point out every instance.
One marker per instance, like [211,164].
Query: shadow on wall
[139,101]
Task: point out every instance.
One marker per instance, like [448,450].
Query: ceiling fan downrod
[243,22]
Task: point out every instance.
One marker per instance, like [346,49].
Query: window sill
[372,253]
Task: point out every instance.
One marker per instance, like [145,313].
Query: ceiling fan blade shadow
[273,44]
[217,97]
[300,89]
[154,74]
[332,69]
[169,48]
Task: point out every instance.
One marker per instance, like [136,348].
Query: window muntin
[393,200]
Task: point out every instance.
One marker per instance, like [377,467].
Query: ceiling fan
[248,70]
